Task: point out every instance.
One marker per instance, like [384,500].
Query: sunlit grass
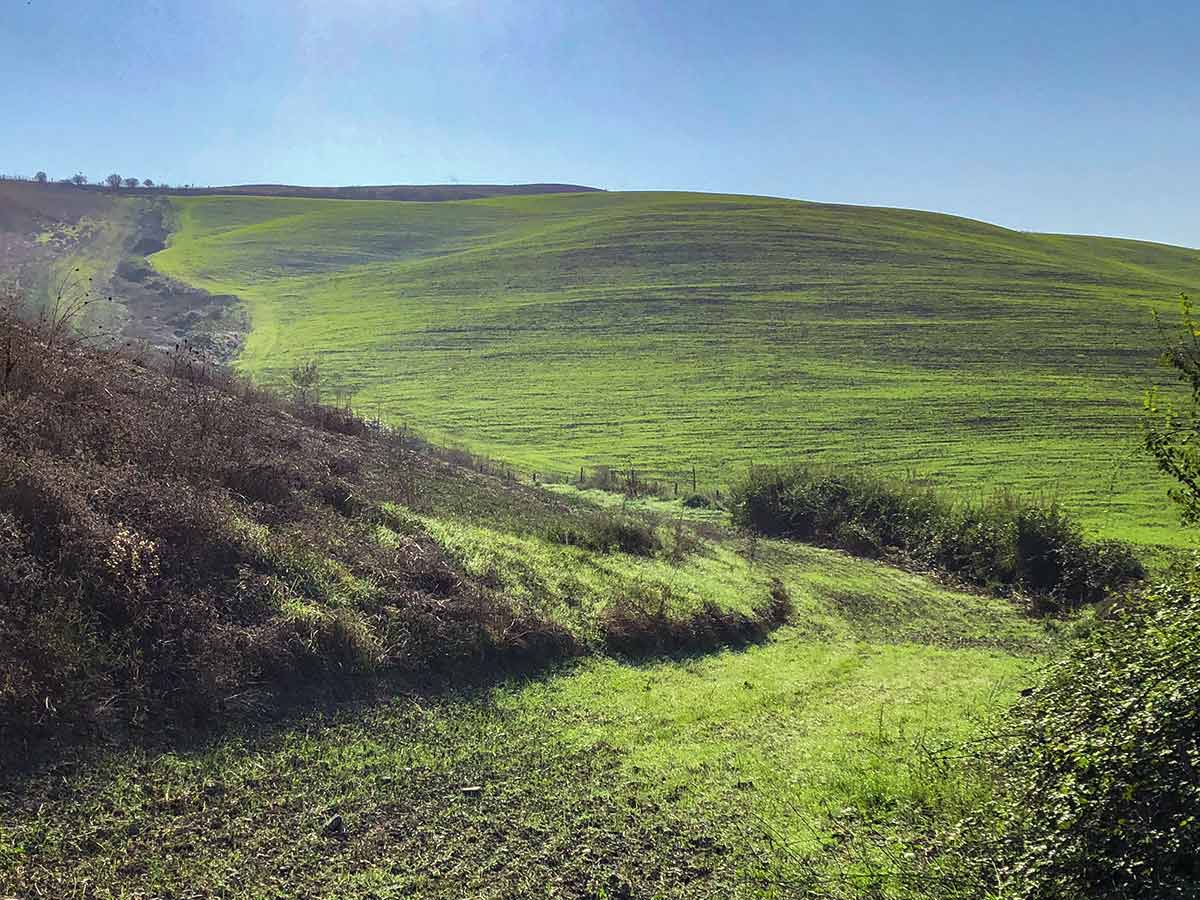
[675,330]
[742,773]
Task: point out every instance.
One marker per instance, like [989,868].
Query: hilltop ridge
[426,193]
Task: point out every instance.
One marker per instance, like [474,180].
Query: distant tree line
[113,181]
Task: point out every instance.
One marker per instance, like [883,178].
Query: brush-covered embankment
[175,544]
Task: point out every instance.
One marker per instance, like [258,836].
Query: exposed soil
[163,312]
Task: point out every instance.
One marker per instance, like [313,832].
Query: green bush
[642,626]
[608,533]
[1001,545]
[1102,783]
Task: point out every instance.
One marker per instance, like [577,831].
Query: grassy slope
[728,774]
[86,271]
[799,758]
[680,328]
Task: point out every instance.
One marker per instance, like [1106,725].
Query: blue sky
[1052,116]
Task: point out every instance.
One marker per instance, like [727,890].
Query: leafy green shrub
[1112,562]
[608,533]
[1050,552]
[627,536]
[1169,431]
[976,543]
[1102,783]
[1001,545]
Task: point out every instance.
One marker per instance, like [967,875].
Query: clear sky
[1050,115]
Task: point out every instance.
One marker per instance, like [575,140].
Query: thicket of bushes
[1101,781]
[1005,544]
[607,533]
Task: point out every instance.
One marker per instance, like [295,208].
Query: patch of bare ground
[163,312]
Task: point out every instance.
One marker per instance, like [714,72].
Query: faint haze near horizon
[1052,116]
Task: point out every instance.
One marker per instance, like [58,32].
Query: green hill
[675,330]
[421,192]
[256,648]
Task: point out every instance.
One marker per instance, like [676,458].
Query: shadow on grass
[631,633]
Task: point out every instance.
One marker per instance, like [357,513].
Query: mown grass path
[761,772]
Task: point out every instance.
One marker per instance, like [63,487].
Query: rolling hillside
[253,648]
[675,330]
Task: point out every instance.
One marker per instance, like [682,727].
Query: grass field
[349,666]
[685,329]
[803,763]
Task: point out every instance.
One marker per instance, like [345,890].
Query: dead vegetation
[177,545]
[173,539]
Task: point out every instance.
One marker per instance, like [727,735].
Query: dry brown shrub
[176,544]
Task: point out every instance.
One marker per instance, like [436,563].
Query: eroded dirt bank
[61,241]
[164,312]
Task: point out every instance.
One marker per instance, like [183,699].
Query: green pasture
[672,330]
[813,762]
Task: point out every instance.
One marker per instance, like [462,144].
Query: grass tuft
[648,625]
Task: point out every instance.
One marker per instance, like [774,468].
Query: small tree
[113,181]
[41,177]
[1172,435]
[79,179]
[148,183]
[131,183]
[306,381]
